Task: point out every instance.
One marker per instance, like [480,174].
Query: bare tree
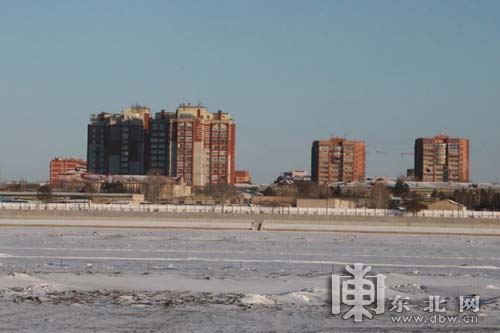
[221,192]
[44,194]
[307,189]
[88,187]
[380,196]
[153,187]
[414,203]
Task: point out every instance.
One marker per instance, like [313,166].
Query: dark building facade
[159,143]
[117,143]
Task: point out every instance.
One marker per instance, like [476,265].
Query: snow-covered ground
[85,279]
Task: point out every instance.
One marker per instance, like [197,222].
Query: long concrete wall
[267,218]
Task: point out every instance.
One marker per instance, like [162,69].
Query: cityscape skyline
[157,116]
[384,73]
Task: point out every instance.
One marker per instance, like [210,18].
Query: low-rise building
[61,165]
[156,188]
[446,204]
[69,197]
[324,203]
[290,177]
[242,177]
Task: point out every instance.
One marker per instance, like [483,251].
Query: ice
[166,280]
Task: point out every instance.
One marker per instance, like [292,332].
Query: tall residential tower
[442,159]
[337,160]
[202,146]
[117,143]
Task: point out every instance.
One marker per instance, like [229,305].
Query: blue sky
[289,72]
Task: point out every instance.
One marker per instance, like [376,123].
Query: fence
[236,209]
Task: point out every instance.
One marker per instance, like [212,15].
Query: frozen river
[85,279]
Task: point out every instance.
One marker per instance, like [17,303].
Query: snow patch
[314,296]
[490,286]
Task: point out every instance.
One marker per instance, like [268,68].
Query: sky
[289,72]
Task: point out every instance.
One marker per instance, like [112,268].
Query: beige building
[446,204]
[323,203]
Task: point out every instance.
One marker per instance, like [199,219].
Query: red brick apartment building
[442,159]
[337,160]
[59,165]
[202,146]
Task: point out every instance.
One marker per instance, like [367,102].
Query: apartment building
[61,165]
[117,143]
[159,143]
[442,159]
[337,160]
[191,143]
[202,146]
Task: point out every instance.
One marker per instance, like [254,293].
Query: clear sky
[289,72]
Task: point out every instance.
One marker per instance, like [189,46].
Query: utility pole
[327,197]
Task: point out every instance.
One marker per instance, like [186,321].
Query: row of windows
[221,166]
[185,133]
[158,158]
[217,159]
[158,152]
[185,125]
[158,146]
[219,134]
[184,152]
[156,140]
[218,172]
[219,152]
[158,127]
[222,127]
